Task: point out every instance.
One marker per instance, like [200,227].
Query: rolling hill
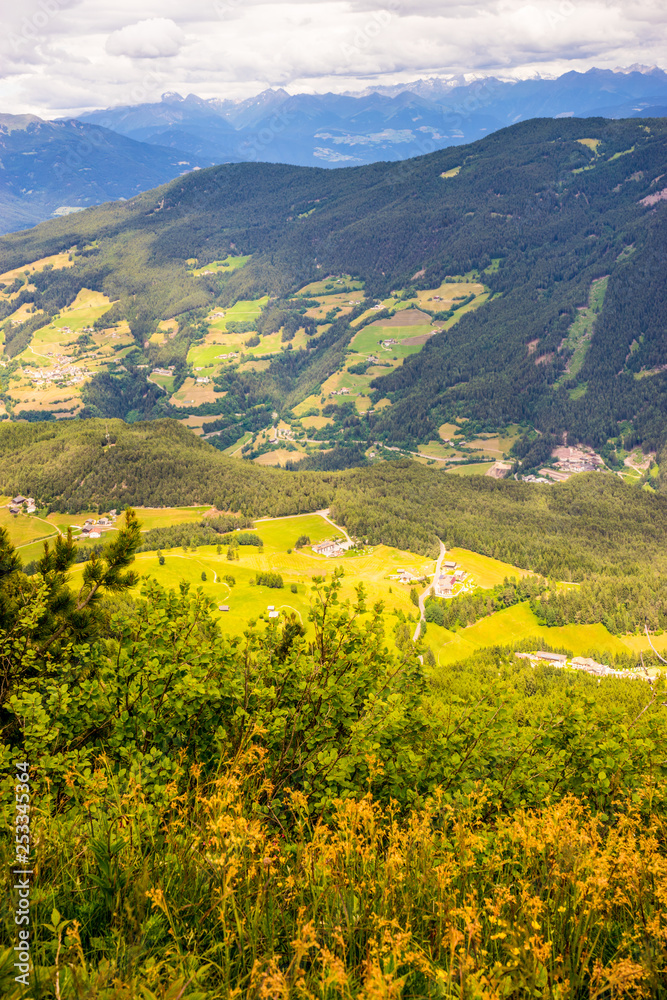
[557,227]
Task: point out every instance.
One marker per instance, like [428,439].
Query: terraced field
[67,352]
[382,345]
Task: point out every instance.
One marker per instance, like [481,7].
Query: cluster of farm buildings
[63,372]
[22,505]
[444,585]
[584,663]
[569,460]
[93,529]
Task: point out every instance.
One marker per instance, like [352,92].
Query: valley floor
[387,574]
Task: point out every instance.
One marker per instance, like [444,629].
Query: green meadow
[221,266]
[218,341]
[164,517]
[206,568]
[515,624]
[297,567]
[473,469]
[24,528]
[580,333]
[86,308]
[370,340]
[330,286]
[243,311]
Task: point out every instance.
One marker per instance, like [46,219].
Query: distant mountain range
[391,123]
[52,168]
[118,152]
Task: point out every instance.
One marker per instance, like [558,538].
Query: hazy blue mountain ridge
[49,168]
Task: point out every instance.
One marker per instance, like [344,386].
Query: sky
[63,57]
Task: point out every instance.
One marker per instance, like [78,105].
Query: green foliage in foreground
[297,809]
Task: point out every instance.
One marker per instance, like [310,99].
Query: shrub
[242,538]
[433,612]
[269,579]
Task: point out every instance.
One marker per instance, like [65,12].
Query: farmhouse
[95,534]
[19,500]
[450,566]
[444,585]
[331,548]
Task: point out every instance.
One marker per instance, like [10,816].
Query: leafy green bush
[269,579]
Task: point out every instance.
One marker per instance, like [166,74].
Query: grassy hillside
[592,524]
[315,803]
[536,215]
[304,809]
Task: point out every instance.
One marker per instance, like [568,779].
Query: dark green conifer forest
[533,210]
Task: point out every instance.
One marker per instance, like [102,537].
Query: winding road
[427,591]
[325,515]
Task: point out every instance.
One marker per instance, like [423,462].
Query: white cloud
[64,56]
[151,39]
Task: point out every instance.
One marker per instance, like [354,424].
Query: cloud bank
[67,56]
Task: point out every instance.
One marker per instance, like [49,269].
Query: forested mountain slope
[593,524]
[50,168]
[539,212]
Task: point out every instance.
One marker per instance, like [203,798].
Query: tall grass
[210,897]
